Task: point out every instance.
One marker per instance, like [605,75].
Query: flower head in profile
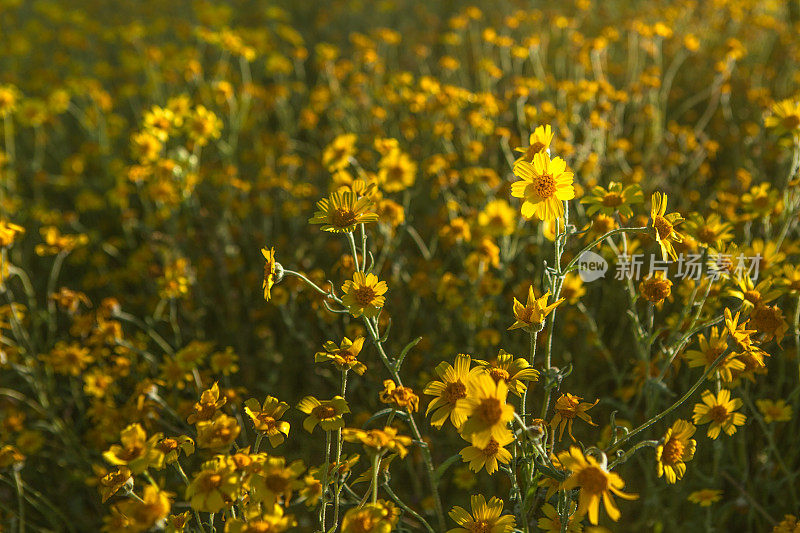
[344,356]
[364,294]
[612,200]
[325,413]
[341,212]
[9,232]
[544,186]
[514,371]
[266,418]
[451,388]
[485,517]
[568,407]
[664,225]
[486,411]
[719,410]
[538,142]
[595,484]
[675,448]
[272,271]
[531,316]
[705,497]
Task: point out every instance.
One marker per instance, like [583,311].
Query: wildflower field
[467,267]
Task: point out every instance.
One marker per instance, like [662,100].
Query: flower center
[545,186]
[498,374]
[212,482]
[718,413]
[706,235]
[791,122]
[364,296]
[480,526]
[454,391]
[593,479]
[343,217]
[533,149]
[491,449]
[276,483]
[323,412]
[663,227]
[612,199]
[266,421]
[490,410]
[672,453]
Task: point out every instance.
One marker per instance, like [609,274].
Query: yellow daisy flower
[272,272]
[595,483]
[343,356]
[266,418]
[551,521]
[705,497]
[544,185]
[363,295]
[569,406]
[514,371]
[719,410]
[539,141]
[376,440]
[664,224]
[449,391]
[326,413]
[675,449]
[485,516]
[486,411]
[711,348]
[531,316]
[774,410]
[341,212]
[489,456]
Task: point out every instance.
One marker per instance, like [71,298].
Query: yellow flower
[656,288]
[567,408]
[710,349]
[539,141]
[719,410]
[399,396]
[363,295]
[551,521]
[113,481]
[752,295]
[544,186]
[9,231]
[488,456]
[789,524]
[664,225]
[336,155]
[208,405]
[266,418]
[452,388]
[271,521]
[217,433]
[705,497]
[742,338]
[485,517]
[326,413]
[203,125]
[774,410]
[497,218]
[379,517]
[272,272]
[343,356]
[171,447]
[595,483]
[396,171]
[785,116]
[514,371]
[612,200]
[341,212]
[531,316]
[486,410]
[376,440]
[135,451]
[675,449]
[144,512]
[273,481]
[214,487]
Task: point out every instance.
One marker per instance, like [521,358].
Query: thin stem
[376,463]
[406,508]
[323,497]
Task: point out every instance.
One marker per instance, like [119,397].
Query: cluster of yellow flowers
[497,267]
